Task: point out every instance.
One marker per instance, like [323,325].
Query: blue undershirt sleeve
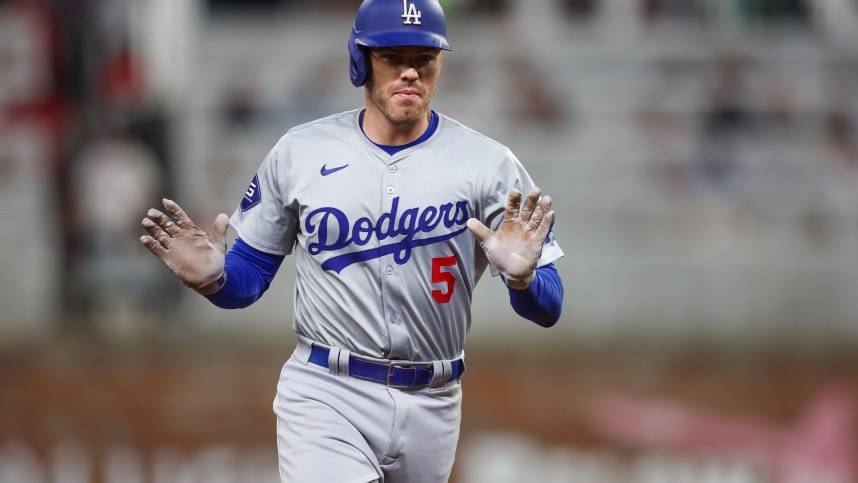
[248,274]
[542,302]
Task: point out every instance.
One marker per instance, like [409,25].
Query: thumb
[219,228]
[481,232]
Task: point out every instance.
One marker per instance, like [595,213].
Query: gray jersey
[386,266]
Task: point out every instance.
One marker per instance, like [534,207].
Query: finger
[178,214]
[157,216]
[164,222]
[539,213]
[154,247]
[529,204]
[171,228]
[545,226]
[481,232]
[512,205]
[157,232]
[219,228]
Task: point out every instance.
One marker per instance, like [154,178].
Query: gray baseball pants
[333,428]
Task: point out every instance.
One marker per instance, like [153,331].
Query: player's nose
[410,73]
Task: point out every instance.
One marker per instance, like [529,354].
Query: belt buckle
[404,365]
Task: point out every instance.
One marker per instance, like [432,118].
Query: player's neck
[381,131]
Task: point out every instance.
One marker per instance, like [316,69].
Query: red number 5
[443,277]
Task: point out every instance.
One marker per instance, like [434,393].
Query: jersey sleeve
[263,219]
[511,174]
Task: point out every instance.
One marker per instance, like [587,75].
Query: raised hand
[194,256]
[515,247]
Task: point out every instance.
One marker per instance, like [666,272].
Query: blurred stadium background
[703,160]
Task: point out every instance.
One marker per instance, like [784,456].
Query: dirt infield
[162,410]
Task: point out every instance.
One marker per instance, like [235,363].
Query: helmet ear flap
[359,64]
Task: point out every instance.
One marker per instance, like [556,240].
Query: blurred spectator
[483,7]
[668,168]
[113,180]
[782,104]
[725,118]
[776,10]
[531,99]
[794,11]
[121,77]
[655,10]
[832,216]
[240,104]
[28,50]
[579,9]
[219,6]
[726,110]
[718,163]
[842,139]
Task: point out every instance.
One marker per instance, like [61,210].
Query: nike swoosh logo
[325,171]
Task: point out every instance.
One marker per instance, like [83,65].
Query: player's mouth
[407,94]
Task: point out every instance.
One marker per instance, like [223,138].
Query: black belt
[404,375]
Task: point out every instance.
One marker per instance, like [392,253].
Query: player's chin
[406,115]
[414,111]
[415,104]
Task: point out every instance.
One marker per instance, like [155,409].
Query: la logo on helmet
[410,13]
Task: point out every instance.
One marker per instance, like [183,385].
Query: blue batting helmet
[388,23]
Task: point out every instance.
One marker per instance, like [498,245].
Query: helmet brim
[398,38]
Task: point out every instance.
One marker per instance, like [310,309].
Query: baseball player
[393,212]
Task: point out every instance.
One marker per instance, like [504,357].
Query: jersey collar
[394,150]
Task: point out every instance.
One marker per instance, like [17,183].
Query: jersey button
[392,168]
[389,270]
[390,190]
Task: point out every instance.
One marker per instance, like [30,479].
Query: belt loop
[343,362]
[334,361]
[302,350]
[441,372]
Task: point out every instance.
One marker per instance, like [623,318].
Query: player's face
[403,81]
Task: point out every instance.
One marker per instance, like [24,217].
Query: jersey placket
[390,183]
